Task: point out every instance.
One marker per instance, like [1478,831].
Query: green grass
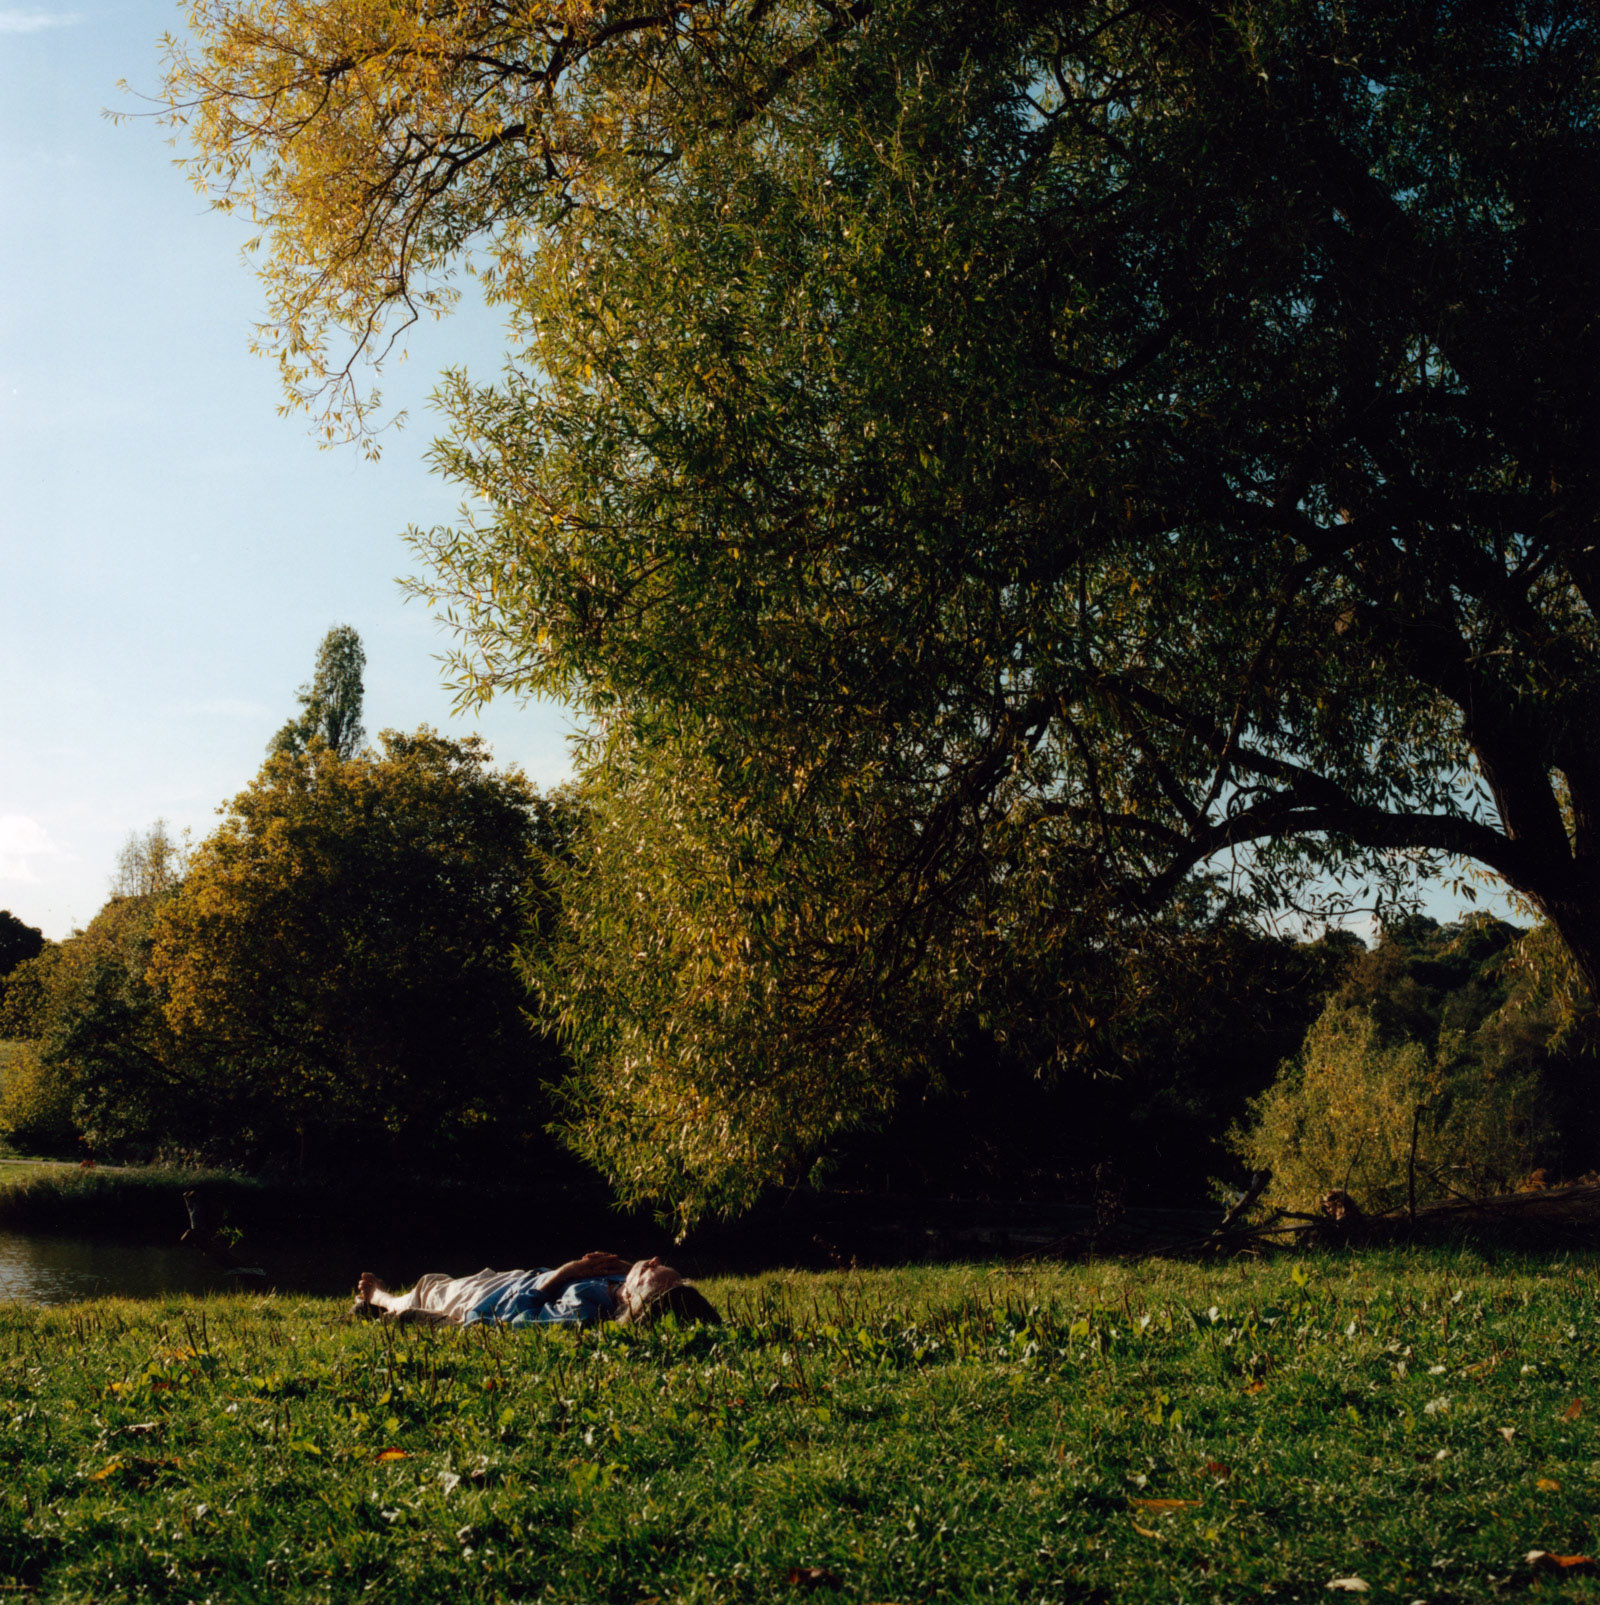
[16,1172]
[19,1173]
[1420,1422]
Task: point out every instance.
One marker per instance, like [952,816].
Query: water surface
[40,1269]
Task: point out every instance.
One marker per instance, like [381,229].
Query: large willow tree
[985,470]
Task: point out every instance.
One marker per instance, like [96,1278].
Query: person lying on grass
[597,1287]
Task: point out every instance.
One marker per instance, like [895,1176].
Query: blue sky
[171,551]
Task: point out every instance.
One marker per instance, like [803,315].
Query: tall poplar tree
[330,704]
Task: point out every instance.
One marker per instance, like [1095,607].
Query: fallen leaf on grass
[1159,1507]
[1508,1433]
[141,1472]
[1216,1469]
[1573,1410]
[392,1454]
[1352,1585]
[1145,1532]
[812,1577]
[1542,1560]
[1256,1387]
[1547,1485]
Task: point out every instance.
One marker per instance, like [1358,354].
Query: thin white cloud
[37,21]
[22,840]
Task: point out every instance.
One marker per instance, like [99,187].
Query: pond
[39,1269]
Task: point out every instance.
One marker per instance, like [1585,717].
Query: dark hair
[683,1301]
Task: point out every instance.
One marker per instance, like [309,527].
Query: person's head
[646,1281]
[653,1290]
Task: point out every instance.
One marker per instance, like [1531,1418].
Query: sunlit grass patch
[15,1171]
[45,1195]
[1247,1431]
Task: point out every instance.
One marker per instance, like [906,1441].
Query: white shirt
[455,1297]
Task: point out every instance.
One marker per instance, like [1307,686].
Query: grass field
[17,1172]
[1417,1424]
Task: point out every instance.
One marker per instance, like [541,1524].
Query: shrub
[1340,1115]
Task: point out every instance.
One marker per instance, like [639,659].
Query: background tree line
[338,979]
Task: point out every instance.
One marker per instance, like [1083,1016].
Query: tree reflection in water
[62,1270]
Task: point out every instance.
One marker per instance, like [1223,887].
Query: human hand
[599,1263]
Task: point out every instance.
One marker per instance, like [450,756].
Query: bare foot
[368,1285]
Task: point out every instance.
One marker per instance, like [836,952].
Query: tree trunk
[1574,910]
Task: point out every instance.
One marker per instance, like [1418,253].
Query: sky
[171,550]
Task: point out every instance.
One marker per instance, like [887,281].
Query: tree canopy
[149,861]
[1450,1060]
[330,703]
[986,472]
[333,979]
[18,941]
[342,953]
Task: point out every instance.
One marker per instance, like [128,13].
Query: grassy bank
[1420,1423]
[14,1171]
[130,1201]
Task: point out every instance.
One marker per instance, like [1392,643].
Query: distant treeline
[1238,1049]
[312,1027]
[364,967]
